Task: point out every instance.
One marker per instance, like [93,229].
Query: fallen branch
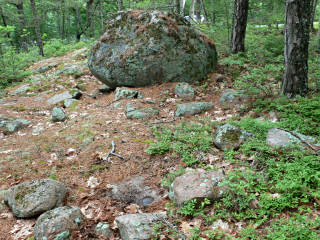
[315,150]
[113,153]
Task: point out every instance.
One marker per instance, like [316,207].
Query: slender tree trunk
[89,16]
[182,6]
[63,22]
[37,27]
[23,41]
[177,6]
[297,31]
[120,5]
[101,18]
[314,7]
[204,11]
[240,17]
[198,10]
[191,10]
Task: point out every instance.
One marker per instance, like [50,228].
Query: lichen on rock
[140,48]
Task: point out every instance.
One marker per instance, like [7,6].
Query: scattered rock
[126,93]
[76,93]
[133,112]
[58,115]
[192,108]
[59,98]
[21,90]
[58,223]
[80,54]
[12,125]
[32,198]
[105,89]
[140,48]
[70,102]
[74,70]
[232,98]
[230,137]
[278,138]
[198,184]
[135,190]
[46,68]
[184,90]
[137,226]
[103,229]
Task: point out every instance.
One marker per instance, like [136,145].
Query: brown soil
[59,151]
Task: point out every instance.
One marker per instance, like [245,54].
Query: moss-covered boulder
[32,198]
[58,224]
[140,48]
[11,125]
[230,137]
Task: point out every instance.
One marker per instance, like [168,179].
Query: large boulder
[141,48]
[32,198]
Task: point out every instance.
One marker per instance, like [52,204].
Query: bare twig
[315,150]
[112,152]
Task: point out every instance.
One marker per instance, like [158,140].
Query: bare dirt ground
[72,151]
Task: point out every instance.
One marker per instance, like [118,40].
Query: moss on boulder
[140,48]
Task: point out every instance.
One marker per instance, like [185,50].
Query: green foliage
[193,207]
[298,227]
[187,140]
[300,114]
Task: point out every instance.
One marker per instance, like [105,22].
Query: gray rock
[58,224]
[103,229]
[122,93]
[105,89]
[70,102]
[192,108]
[32,198]
[12,125]
[133,112]
[278,138]
[140,48]
[198,184]
[58,115]
[46,68]
[117,105]
[230,137]
[74,70]
[80,54]
[59,98]
[137,226]
[76,93]
[184,90]
[21,90]
[135,190]
[232,98]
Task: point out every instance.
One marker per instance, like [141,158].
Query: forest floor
[72,151]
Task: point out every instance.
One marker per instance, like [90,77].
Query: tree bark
[198,10]
[37,27]
[63,22]
[240,17]
[191,10]
[297,34]
[89,16]
[177,6]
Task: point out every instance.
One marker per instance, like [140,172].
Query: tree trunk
[63,22]
[22,37]
[240,17]
[297,31]
[204,11]
[182,6]
[89,16]
[37,27]
[198,10]
[120,5]
[191,10]
[177,6]
[314,8]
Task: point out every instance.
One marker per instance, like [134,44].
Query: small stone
[230,137]
[59,98]
[278,138]
[70,102]
[198,184]
[58,115]
[232,98]
[32,198]
[21,90]
[122,93]
[103,229]
[192,108]
[142,113]
[185,91]
[137,226]
[58,223]
[105,89]
[12,125]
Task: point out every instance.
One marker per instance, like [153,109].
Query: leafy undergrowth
[274,192]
